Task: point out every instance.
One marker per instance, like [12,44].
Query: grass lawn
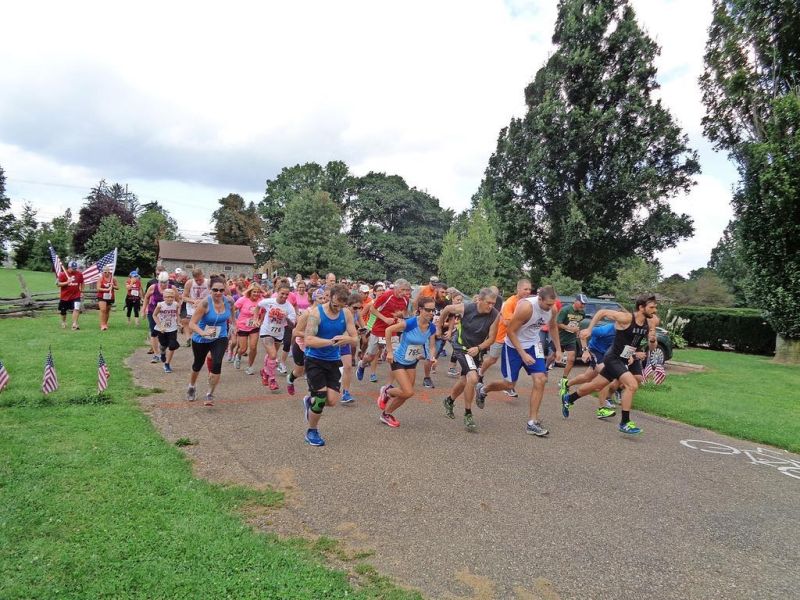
[741,395]
[94,503]
[38,282]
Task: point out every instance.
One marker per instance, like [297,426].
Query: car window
[591,308]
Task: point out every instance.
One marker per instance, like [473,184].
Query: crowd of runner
[334,330]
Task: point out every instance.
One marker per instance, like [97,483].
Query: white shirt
[528,334]
[277,317]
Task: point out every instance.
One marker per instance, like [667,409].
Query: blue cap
[581,298]
[73,264]
[134,274]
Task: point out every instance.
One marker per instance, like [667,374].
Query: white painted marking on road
[760,456]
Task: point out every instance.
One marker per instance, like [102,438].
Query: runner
[248,321]
[356,305]
[417,343]
[569,324]
[450,325]
[594,348]
[209,325]
[166,317]
[71,284]
[329,328]
[105,295]
[195,290]
[473,335]
[430,289]
[387,309]
[133,296]
[279,314]
[330,281]
[321,296]
[300,300]
[154,295]
[631,330]
[523,350]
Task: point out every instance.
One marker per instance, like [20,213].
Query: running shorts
[322,374]
[511,362]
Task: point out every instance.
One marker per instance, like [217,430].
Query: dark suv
[595,304]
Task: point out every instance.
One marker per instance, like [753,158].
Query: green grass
[37,281]
[94,503]
[741,395]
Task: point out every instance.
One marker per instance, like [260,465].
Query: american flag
[102,373]
[3,376]
[57,266]
[92,274]
[50,381]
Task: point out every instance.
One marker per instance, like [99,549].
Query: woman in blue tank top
[209,325]
[417,343]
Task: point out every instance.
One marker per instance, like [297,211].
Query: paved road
[584,513]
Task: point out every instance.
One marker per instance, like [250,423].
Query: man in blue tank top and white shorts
[329,327]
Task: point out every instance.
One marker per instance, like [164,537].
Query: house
[213,259]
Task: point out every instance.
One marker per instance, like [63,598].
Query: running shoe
[618,397]
[565,405]
[480,395]
[264,377]
[249,371]
[383,396]
[347,398]
[360,371]
[512,393]
[428,383]
[630,428]
[163,357]
[273,386]
[563,388]
[469,423]
[536,429]
[306,406]
[156,359]
[373,378]
[290,388]
[188,343]
[609,404]
[282,368]
[209,399]
[443,352]
[229,357]
[449,403]
[191,394]
[451,372]
[237,362]
[313,438]
[167,368]
[389,419]
[604,412]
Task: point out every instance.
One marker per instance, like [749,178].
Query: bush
[741,329]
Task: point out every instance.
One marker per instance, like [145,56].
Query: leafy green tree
[563,284]
[469,261]
[585,177]
[703,288]
[103,200]
[58,232]
[6,217]
[110,234]
[153,224]
[636,276]
[727,262]
[752,97]
[236,222]
[310,239]
[23,236]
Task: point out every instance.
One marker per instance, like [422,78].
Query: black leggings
[217,349]
[133,306]
[288,337]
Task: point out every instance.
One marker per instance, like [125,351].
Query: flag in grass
[102,373]
[4,378]
[50,381]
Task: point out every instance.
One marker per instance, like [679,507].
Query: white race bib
[413,352]
[251,323]
[212,332]
[275,331]
[189,309]
[537,350]
[106,295]
[76,305]
[627,352]
[471,362]
[134,293]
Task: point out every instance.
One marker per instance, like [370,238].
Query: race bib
[471,362]
[537,351]
[212,332]
[134,293]
[413,352]
[106,295]
[381,341]
[189,309]
[627,352]
[251,323]
[76,305]
[275,330]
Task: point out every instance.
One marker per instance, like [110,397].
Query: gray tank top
[474,327]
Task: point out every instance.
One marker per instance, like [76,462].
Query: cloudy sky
[187,102]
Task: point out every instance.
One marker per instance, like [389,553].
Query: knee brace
[318,403]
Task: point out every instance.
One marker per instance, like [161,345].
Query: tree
[310,239]
[110,234]
[469,262]
[635,276]
[727,262]
[562,284]
[236,223]
[103,201]
[23,236]
[751,90]
[585,177]
[6,217]
[58,232]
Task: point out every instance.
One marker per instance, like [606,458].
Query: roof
[199,252]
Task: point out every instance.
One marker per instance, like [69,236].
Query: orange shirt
[365,310]
[509,306]
[427,291]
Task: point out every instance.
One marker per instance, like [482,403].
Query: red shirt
[389,305]
[73,290]
[105,282]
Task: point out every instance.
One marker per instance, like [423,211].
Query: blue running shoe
[373,378]
[360,372]
[565,405]
[306,406]
[346,397]
[630,428]
[313,438]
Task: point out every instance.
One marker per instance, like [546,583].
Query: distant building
[213,259]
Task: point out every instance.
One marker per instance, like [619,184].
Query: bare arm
[312,328]
[390,332]
[622,319]
[198,314]
[486,344]
[147,295]
[521,315]
[300,330]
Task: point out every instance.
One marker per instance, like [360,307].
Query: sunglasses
[430,310]
[356,307]
[217,289]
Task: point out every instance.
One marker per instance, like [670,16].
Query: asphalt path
[679,512]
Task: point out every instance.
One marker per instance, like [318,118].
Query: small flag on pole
[50,381]
[4,378]
[102,373]
[57,266]
[92,274]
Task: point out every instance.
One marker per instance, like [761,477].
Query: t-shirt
[602,337]
[509,306]
[413,343]
[248,314]
[167,317]
[473,327]
[299,301]
[569,314]
[73,290]
[197,291]
[427,291]
[277,317]
[107,285]
[389,305]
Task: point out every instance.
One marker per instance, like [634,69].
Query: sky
[188,102]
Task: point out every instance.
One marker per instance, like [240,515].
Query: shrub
[740,329]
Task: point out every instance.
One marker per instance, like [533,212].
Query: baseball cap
[134,274]
[363,288]
[263,276]
[178,271]
[379,284]
[73,264]
[581,298]
[434,279]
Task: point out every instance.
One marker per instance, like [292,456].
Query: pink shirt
[299,301]
[247,315]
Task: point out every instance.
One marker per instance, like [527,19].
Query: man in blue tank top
[329,327]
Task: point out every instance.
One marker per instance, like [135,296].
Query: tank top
[213,319]
[198,291]
[156,297]
[105,282]
[628,340]
[135,291]
[528,334]
[413,343]
[328,329]
[473,327]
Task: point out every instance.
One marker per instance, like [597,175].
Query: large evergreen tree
[6,218]
[583,180]
[751,89]
[23,236]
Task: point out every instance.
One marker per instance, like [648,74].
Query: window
[227,268]
[188,267]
